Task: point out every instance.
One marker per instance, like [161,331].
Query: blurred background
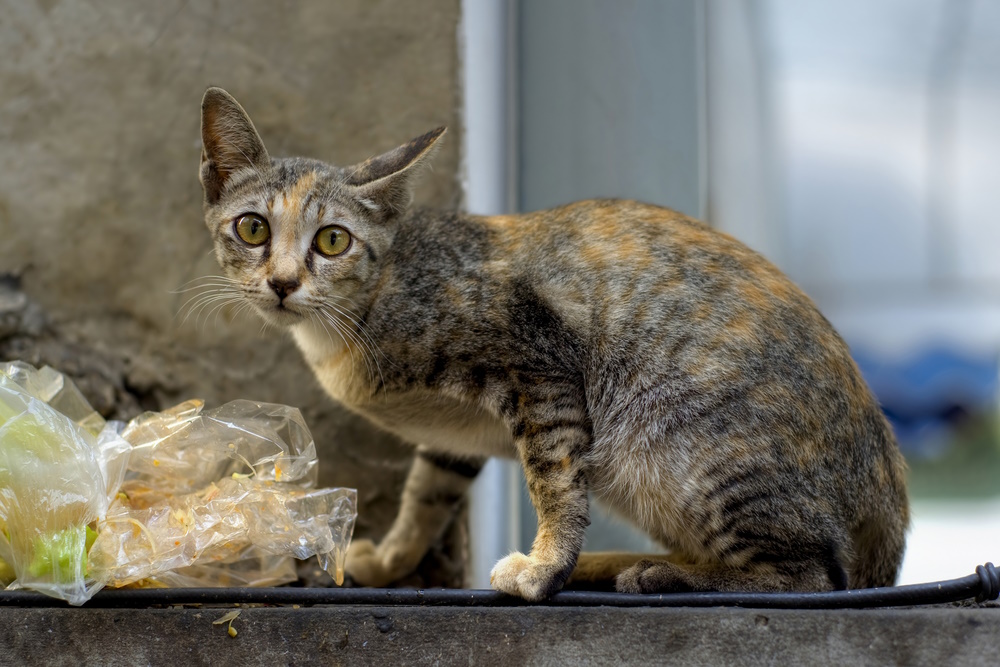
[854,143]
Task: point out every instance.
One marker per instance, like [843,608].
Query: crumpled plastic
[184,497]
[60,465]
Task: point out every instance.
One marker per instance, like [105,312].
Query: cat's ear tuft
[384,184]
[229,142]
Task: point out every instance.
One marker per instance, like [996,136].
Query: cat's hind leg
[740,539]
[598,570]
[790,573]
[434,488]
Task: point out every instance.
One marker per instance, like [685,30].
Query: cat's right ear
[229,142]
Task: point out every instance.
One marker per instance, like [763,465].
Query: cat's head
[298,236]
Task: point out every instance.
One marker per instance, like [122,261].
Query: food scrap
[230,617]
[183,497]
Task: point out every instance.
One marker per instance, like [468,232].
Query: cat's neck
[343,364]
[320,342]
[336,334]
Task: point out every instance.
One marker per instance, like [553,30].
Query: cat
[609,346]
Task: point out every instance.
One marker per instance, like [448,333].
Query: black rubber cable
[982,586]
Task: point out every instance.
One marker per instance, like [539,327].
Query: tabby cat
[609,346]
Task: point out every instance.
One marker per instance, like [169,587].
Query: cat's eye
[332,241]
[253,229]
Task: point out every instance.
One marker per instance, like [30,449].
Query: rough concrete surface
[100,205]
[508,636]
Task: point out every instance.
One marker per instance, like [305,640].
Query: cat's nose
[283,286]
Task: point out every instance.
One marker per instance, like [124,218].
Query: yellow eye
[253,229]
[332,241]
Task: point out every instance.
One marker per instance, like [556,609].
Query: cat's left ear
[384,184]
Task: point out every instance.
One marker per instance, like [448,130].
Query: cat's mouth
[283,313]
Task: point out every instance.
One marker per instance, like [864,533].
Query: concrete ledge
[357,635]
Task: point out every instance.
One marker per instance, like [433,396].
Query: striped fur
[610,346]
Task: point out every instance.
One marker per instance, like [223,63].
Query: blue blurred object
[926,395]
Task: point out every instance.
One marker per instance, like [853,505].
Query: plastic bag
[182,497]
[58,473]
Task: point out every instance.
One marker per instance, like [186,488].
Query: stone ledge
[358,635]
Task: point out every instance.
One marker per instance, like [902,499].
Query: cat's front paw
[526,577]
[371,565]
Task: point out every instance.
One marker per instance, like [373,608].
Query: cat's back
[639,267]
[616,242]
[657,296]
[647,291]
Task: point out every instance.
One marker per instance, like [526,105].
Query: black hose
[982,586]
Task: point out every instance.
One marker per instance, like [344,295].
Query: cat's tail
[879,534]
[598,570]
[879,543]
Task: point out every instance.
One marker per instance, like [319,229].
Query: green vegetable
[27,437]
[7,573]
[62,555]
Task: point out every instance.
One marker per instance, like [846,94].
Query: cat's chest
[419,416]
[441,422]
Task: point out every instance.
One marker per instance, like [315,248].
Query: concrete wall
[100,206]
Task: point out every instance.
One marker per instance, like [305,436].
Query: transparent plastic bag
[186,448]
[182,497]
[57,475]
[258,568]
[221,524]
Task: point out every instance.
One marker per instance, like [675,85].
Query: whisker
[340,332]
[373,347]
[359,323]
[244,307]
[197,303]
[208,307]
[204,281]
[201,286]
[367,343]
[356,320]
[345,333]
[366,347]
[210,289]
[208,297]
[319,317]
[215,310]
